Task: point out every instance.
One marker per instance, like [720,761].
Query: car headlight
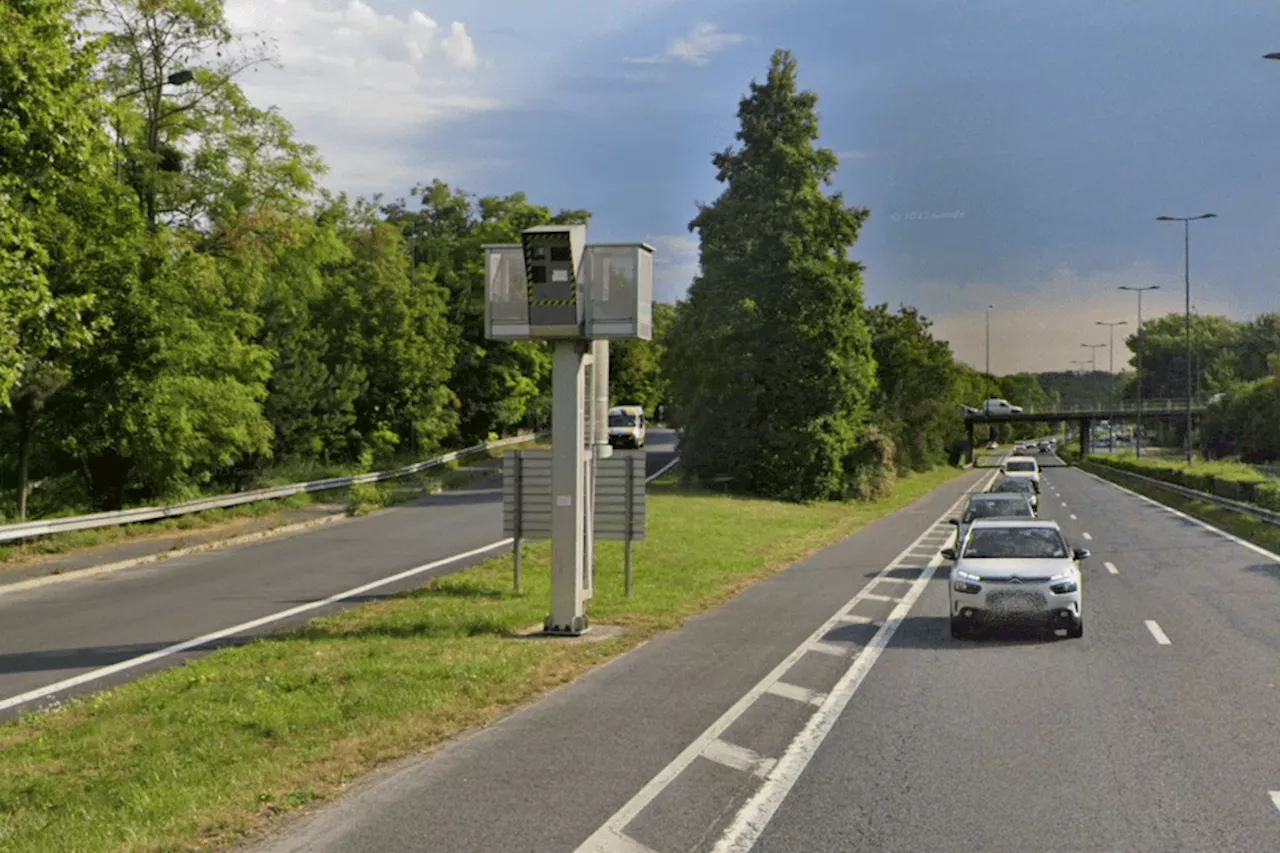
[962,575]
[1064,583]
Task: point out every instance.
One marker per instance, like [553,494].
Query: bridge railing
[1157,405]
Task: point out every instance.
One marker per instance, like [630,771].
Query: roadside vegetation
[210,752]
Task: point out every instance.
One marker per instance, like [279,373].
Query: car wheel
[960,629]
[1076,629]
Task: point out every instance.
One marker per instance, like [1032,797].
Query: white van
[626,426]
[1023,466]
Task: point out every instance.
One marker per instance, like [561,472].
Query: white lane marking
[857,620]
[900,580]
[833,649]
[664,469]
[754,816]
[796,693]
[1257,549]
[875,596]
[1064,503]
[615,842]
[1087,535]
[1161,637]
[603,840]
[187,645]
[738,757]
[1073,517]
[1275,798]
[1111,567]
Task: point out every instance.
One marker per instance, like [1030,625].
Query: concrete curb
[108,568]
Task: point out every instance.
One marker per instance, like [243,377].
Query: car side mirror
[1081,553]
[949,554]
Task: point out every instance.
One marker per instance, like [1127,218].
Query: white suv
[1015,570]
[1022,466]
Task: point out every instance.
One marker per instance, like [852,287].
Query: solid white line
[1161,637]
[623,816]
[1111,567]
[1257,549]
[1087,535]
[187,645]
[754,816]
[737,757]
[796,693]
[833,649]
[1275,798]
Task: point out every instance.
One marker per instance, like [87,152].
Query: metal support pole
[519,510]
[630,505]
[568,457]
[1186,255]
[598,436]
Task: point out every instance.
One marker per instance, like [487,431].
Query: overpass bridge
[1163,409]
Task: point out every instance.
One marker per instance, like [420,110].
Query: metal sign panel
[620,511]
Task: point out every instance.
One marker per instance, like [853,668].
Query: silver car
[1015,570]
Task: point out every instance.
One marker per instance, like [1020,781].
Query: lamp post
[1111,392]
[1137,433]
[1186,249]
[986,406]
[1093,355]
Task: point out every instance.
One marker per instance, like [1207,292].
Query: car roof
[1017,457]
[626,410]
[1016,522]
[996,496]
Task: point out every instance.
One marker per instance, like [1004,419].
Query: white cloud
[697,48]
[675,263]
[359,83]
[1043,329]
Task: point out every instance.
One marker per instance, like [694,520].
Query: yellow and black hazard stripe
[530,239]
[552,303]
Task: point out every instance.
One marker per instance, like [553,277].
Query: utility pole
[1186,254]
[1111,392]
[1137,433]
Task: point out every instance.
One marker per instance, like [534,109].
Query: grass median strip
[1247,527]
[205,754]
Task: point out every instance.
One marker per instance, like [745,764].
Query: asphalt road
[1155,732]
[52,634]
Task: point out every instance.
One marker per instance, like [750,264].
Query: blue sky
[1011,153]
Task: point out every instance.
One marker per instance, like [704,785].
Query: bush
[366,497]
[870,469]
[1224,479]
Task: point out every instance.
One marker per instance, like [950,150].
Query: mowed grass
[206,754]
[1247,527]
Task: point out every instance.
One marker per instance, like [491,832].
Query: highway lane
[55,633]
[1155,732]
[1115,742]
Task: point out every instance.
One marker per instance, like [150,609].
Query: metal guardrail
[1195,494]
[48,527]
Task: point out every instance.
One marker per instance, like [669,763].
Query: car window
[1027,543]
[622,419]
[1020,466]
[996,508]
[1012,485]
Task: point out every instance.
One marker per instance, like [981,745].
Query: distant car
[1022,466]
[1007,570]
[626,426]
[1046,447]
[993,445]
[1000,407]
[1018,485]
[993,505]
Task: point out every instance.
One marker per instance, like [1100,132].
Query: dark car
[992,505]
[1017,485]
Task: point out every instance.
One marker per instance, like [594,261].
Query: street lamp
[1111,393]
[1186,248]
[1137,434]
[986,406]
[1093,355]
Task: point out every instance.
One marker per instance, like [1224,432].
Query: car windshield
[1012,484]
[622,419]
[1027,543]
[1020,466]
[996,508]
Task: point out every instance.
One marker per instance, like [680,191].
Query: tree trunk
[22,410]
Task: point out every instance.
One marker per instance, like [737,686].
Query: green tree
[635,367]
[773,352]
